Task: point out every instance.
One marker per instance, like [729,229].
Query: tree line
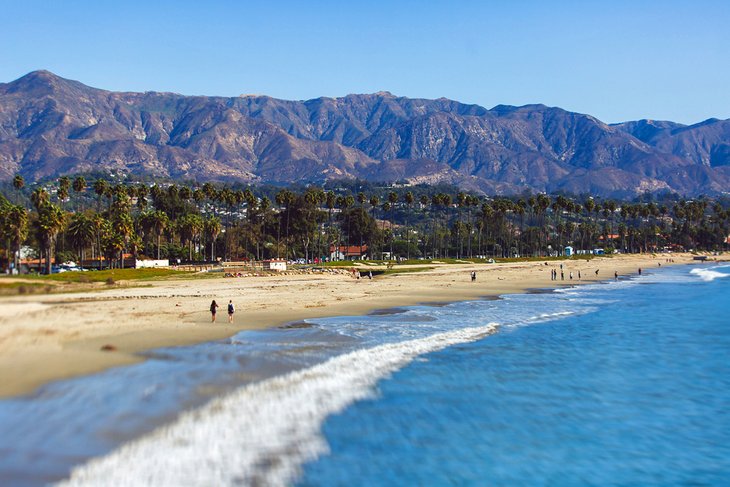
[102,221]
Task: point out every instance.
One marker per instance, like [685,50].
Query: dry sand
[50,337]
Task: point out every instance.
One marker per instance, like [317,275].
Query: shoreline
[46,338]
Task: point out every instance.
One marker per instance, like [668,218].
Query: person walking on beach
[231,310]
[639,270]
[579,275]
[473,276]
[562,273]
[615,275]
[213,308]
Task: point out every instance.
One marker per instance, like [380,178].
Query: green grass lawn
[115,274]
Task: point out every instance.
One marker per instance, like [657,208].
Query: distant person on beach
[231,310]
[562,273]
[473,276]
[579,275]
[571,275]
[213,308]
[639,270]
[615,275]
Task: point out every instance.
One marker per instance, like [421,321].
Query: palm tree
[284,199]
[39,197]
[264,214]
[16,227]
[79,186]
[102,228]
[185,193]
[50,221]
[409,199]
[82,231]
[64,186]
[100,187]
[190,226]
[160,221]
[520,209]
[142,192]
[18,184]
[212,228]
[392,199]
[123,228]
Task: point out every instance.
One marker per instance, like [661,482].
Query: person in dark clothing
[213,309]
[231,310]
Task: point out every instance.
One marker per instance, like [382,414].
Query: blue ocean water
[622,383]
[634,392]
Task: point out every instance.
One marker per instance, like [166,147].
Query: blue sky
[617,60]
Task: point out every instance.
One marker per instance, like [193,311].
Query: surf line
[261,433]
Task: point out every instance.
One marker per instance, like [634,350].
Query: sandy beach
[49,337]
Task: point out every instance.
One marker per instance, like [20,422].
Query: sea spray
[261,433]
[709,275]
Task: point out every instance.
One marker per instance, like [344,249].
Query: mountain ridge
[50,126]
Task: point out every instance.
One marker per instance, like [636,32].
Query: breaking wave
[708,275]
[260,434]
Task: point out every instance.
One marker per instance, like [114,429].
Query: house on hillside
[352,252]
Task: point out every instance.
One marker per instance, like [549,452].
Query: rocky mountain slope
[51,126]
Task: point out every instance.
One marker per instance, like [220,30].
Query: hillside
[51,126]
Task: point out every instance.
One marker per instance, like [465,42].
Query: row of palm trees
[107,221]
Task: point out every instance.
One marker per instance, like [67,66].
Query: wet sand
[50,337]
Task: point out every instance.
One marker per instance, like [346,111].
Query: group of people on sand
[554,274]
[214,307]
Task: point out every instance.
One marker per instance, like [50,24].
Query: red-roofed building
[611,236]
[344,252]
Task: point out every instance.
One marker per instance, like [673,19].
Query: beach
[44,338]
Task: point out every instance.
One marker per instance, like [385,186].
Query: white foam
[260,434]
[708,275]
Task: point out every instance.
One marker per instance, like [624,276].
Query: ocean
[619,383]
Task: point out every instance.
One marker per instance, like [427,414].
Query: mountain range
[51,126]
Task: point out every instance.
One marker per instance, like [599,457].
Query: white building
[275,265]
